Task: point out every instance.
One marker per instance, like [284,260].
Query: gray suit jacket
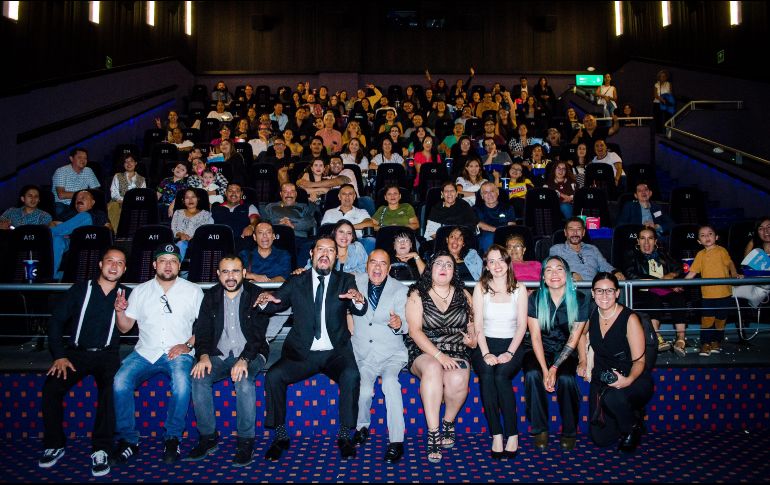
[373,340]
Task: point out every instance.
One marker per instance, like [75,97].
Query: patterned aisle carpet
[688,456]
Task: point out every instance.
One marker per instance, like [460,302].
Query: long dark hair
[758,243]
[423,285]
[340,223]
[486,275]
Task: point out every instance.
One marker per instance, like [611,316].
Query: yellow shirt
[713,263]
[518,190]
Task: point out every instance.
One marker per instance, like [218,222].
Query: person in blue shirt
[492,214]
[266,263]
[644,212]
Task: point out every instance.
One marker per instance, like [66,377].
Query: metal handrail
[693,106]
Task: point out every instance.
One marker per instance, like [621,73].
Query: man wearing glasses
[166,308]
[585,260]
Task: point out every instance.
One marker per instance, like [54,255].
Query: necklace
[443,298]
[613,313]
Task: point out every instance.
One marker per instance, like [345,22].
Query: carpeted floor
[664,457]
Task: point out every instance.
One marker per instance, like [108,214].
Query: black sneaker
[50,457]
[172,452]
[244,453]
[124,452]
[206,445]
[100,464]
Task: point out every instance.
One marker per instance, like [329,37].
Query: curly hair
[424,284]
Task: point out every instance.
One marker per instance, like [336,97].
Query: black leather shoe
[541,441]
[207,444]
[277,447]
[510,455]
[171,453]
[629,442]
[394,452]
[347,447]
[361,435]
[497,455]
[244,452]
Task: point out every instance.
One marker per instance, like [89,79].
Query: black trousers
[103,365]
[338,365]
[567,394]
[620,408]
[495,384]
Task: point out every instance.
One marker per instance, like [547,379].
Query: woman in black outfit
[621,384]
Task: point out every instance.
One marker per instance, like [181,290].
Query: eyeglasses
[166,306]
[444,264]
[604,291]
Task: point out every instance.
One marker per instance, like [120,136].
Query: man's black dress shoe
[277,447]
[394,452]
[360,436]
[347,447]
[628,443]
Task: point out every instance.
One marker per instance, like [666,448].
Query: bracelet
[488,353]
[508,352]
[437,354]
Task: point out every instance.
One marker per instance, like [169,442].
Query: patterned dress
[443,328]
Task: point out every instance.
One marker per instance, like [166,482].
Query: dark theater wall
[329,36]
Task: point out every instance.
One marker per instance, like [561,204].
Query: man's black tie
[319,300]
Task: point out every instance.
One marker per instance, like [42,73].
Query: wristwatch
[188,345]
[245,359]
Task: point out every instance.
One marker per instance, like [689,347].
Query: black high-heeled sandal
[434,445]
[449,436]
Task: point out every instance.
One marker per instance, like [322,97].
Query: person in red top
[429,154]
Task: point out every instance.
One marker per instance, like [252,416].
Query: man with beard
[166,308]
[91,349]
[585,260]
[229,342]
[319,341]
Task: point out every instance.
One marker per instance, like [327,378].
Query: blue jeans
[566,209]
[182,245]
[61,240]
[366,203]
[245,396]
[134,370]
[486,239]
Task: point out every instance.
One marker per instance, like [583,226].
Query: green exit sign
[589,79]
[721,56]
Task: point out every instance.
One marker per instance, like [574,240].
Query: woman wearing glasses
[441,332]
[557,315]
[621,384]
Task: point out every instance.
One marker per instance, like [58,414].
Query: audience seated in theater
[489,132]
[486,104]
[302,126]
[441,113]
[264,118]
[545,96]
[602,155]
[248,97]
[518,143]
[492,213]
[428,154]
[195,180]
[224,134]
[643,211]
[261,142]
[220,113]
[336,107]
[523,86]
[418,121]
[360,218]
[589,133]
[553,144]
[585,260]
[354,154]
[169,125]
[177,139]
[573,120]
[607,95]
[186,221]
[222,94]
[237,214]
[416,140]
[406,264]
[538,164]
[470,181]
[296,215]
[277,154]
[315,150]
[561,180]
[123,181]
[332,139]
[390,119]
[294,147]
[395,213]
[506,123]
[353,131]
[279,116]
[315,181]
[168,188]
[27,212]
[451,211]
[518,185]
[351,254]
[82,214]
[69,179]
[266,263]
[234,161]
[579,165]
[461,152]
[386,155]
[494,157]
[399,144]
[524,270]
[242,131]
[445,148]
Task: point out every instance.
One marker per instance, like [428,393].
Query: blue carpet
[687,456]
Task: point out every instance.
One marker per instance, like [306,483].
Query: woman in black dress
[621,384]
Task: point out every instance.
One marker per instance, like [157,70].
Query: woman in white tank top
[500,317]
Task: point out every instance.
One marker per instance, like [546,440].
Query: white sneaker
[50,457]
[100,464]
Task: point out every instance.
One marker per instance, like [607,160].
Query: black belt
[80,348]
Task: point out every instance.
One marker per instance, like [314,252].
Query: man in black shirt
[91,349]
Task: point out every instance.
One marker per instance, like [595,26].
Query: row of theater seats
[211,242]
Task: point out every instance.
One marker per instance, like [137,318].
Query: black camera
[608,376]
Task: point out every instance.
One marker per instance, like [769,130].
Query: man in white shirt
[319,342]
[609,158]
[166,308]
[360,218]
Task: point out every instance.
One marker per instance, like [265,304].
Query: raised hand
[120,301]
[395,321]
[265,298]
[353,294]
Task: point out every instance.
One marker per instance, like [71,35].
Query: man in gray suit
[378,345]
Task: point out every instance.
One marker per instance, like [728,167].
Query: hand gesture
[473,71]
[549,380]
[395,321]
[59,368]
[353,294]
[120,301]
[298,271]
[447,362]
[470,339]
[239,370]
[202,368]
[264,298]
[178,350]
[157,122]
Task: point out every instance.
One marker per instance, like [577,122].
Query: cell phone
[462,363]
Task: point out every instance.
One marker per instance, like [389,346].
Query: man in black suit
[319,341]
[229,342]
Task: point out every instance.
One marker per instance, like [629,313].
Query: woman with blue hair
[556,319]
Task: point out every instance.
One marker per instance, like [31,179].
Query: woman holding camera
[621,384]
[557,315]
